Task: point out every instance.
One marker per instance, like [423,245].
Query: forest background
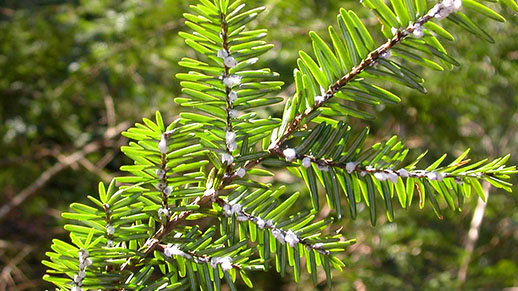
[75,74]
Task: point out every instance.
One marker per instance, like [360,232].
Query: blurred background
[74,74]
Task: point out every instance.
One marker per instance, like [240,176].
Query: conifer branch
[415,29]
[275,148]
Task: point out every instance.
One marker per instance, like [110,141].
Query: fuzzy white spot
[88,262]
[350,167]
[232,146]
[233,113]
[173,250]
[277,233]
[306,162]
[209,192]
[230,62]
[290,154]
[160,173]
[77,279]
[319,99]
[434,10]
[227,209]
[109,243]
[232,96]
[76,288]
[363,173]
[168,190]
[440,176]
[231,81]
[222,53]
[393,30]
[403,173]
[227,158]
[420,173]
[322,167]
[81,275]
[392,177]
[242,217]
[161,186]
[162,145]
[432,176]
[291,238]
[163,213]
[241,172]
[226,263]
[442,13]
[260,223]
[449,6]
[83,254]
[318,245]
[230,137]
[418,31]
[322,91]
[236,208]
[457,4]
[386,54]
[110,230]
[214,262]
[380,176]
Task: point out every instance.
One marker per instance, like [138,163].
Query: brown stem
[45,177]
[471,240]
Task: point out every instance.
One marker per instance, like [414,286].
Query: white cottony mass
[386,54]
[163,213]
[160,173]
[277,233]
[392,177]
[222,54]
[260,223]
[290,154]
[232,96]
[319,99]
[230,137]
[380,176]
[233,113]
[241,172]
[306,162]
[110,230]
[230,62]
[231,81]
[227,158]
[350,167]
[291,238]
[322,167]
[226,263]
[418,30]
[162,145]
[168,190]
[403,173]
[173,250]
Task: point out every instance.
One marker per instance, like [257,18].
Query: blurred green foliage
[64,63]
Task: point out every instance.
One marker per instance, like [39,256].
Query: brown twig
[45,177]
[473,234]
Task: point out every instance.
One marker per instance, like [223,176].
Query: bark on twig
[473,234]
[63,163]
